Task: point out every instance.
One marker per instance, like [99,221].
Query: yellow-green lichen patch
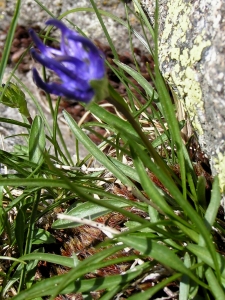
[175,54]
[179,51]
[196,51]
[219,165]
[184,58]
[177,21]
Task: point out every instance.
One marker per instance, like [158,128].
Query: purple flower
[78,63]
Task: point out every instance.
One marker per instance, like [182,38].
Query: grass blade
[8,42]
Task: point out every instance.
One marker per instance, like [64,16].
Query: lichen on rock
[219,165]
[192,60]
[179,55]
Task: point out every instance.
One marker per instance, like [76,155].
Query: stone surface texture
[31,14]
[192,60]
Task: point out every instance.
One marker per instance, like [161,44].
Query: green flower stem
[119,103]
[9,39]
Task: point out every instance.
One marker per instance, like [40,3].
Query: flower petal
[41,46]
[37,41]
[96,57]
[54,64]
[65,30]
[77,78]
[79,64]
[62,90]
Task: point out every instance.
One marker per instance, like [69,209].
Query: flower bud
[78,63]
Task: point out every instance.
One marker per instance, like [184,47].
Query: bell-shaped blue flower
[78,63]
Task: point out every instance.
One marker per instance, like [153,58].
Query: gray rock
[32,14]
[192,60]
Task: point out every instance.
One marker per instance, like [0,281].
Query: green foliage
[12,96]
[9,39]
[167,220]
[101,89]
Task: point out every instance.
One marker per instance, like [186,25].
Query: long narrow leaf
[47,287]
[94,150]
[161,253]
[146,295]
[9,39]
[216,288]
[214,204]
[140,79]
[37,141]
[204,255]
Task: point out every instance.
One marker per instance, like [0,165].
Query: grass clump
[139,223]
